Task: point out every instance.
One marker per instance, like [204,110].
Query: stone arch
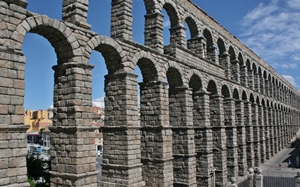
[251,98]
[234,65]
[174,66]
[148,61]
[221,46]
[58,34]
[222,54]
[244,96]
[241,59]
[111,51]
[225,91]
[195,83]
[194,31]
[209,44]
[261,80]
[257,100]
[212,87]
[172,12]
[249,74]
[174,77]
[236,94]
[232,54]
[263,102]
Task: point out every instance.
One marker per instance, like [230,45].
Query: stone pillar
[181,121]
[241,138]
[219,139]
[267,133]
[13,141]
[121,19]
[154,25]
[281,130]
[262,84]
[203,139]
[261,124]
[178,36]
[212,53]
[225,63]
[270,88]
[272,132]
[278,135]
[256,82]
[156,134]
[256,134]
[249,134]
[75,12]
[250,79]
[73,156]
[121,133]
[231,136]
[244,76]
[235,71]
[196,45]
[267,87]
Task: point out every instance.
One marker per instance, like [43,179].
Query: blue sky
[268,27]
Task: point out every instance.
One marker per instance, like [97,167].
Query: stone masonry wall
[202,118]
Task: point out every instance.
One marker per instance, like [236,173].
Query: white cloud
[167,23]
[99,102]
[272,30]
[294,4]
[290,79]
[260,11]
[295,57]
[289,66]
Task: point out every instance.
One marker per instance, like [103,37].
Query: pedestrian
[289,161]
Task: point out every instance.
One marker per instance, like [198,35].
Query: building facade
[209,107]
[37,120]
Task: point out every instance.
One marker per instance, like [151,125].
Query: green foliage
[31,182]
[37,168]
[41,130]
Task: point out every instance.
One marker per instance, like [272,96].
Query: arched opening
[230,130]
[261,81]
[240,133]
[249,130]
[208,46]
[242,70]
[234,70]
[255,77]
[152,110]
[249,74]
[98,105]
[223,55]
[38,98]
[264,132]
[192,34]
[179,110]
[41,89]
[170,25]
[218,134]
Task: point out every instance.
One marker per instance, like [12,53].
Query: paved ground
[272,167]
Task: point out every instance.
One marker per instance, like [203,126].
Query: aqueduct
[207,104]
